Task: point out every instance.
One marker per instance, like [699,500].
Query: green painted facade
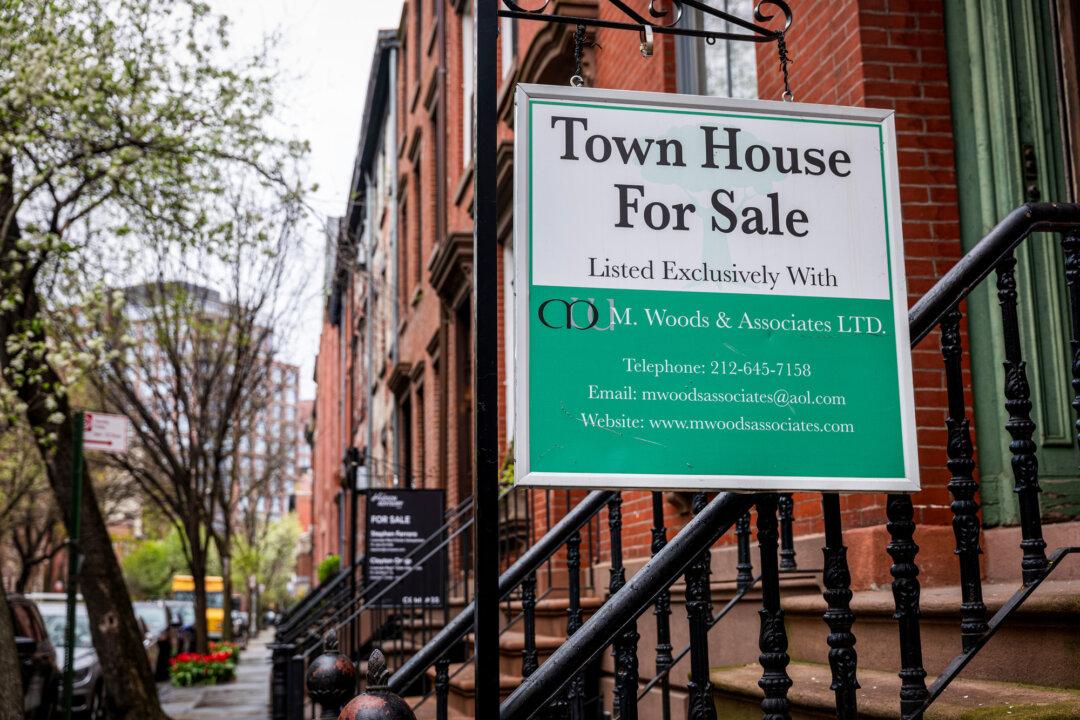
[1003,78]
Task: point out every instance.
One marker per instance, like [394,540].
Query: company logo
[566,319]
[385,500]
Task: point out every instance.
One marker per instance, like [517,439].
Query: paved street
[246,698]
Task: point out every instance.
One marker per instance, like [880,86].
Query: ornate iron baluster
[1070,245]
[1021,427]
[842,657]
[700,703]
[624,649]
[962,485]
[772,641]
[905,587]
[787,540]
[529,661]
[575,693]
[442,688]
[744,577]
[662,610]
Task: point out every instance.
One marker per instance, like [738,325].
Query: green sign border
[526,98]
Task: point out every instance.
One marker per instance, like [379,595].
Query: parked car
[149,642]
[162,631]
[88,696]
[184,614]
[37,659]
[241,625]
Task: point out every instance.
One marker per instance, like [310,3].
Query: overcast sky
[325,53]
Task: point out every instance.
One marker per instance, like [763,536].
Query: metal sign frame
[881,120]
[486,287]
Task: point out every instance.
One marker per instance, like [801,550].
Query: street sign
[710,294]
[108,433]
[399,525]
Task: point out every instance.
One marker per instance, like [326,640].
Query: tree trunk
[226,593]
[198,574]
[25,569]
[11,697]
[129,683]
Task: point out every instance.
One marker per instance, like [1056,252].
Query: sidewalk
[246,698]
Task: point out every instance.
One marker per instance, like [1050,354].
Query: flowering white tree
[114,114]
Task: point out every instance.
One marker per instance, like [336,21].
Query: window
[508,333]
[418,41]
[726,68]
[23,620]
[402,256]
[508,43]
[421,460]
[467,89]
[418,195]
[406,444]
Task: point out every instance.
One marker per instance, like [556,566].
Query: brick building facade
[402,332]
[417,268]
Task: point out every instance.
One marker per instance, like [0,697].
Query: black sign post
[401,533]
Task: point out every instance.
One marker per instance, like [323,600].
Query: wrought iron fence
[555,688]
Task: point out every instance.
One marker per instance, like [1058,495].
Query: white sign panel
[108,433]
[710,294]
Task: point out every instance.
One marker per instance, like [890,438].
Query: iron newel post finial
[378,702]
[331,679]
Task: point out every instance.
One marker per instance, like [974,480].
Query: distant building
[355,413]
[300,500]
[265,454]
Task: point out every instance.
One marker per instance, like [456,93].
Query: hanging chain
[578,78]
[781,48]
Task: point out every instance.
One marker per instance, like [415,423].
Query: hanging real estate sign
[709,294]
[402,541]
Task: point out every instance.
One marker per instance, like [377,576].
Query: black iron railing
[555,686]
[939,307]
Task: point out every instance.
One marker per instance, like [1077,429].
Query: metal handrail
[471,659]
[1009,607]
[455,631]
[626,605]
[664,568]
[728,606]
[980,261]
[288,629]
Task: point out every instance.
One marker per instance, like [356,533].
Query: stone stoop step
[463,686]
[551,613]
[1038,645]
[405,647]
[426,711]
[512,644]
[737,696]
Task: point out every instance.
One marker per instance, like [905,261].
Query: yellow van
[183,588]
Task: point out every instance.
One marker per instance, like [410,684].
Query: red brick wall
[890,54]
[875,53]
[326,455]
